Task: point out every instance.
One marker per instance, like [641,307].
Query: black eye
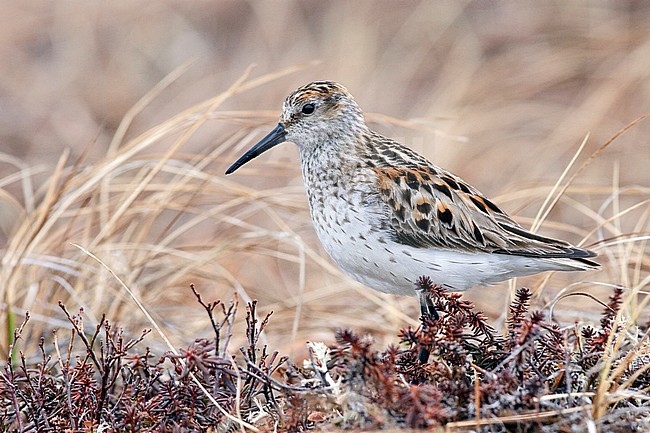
[308,108]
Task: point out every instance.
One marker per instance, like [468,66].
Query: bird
[387,216]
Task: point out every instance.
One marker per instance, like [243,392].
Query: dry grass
[503,95]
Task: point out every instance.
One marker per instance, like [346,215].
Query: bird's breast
[345,210]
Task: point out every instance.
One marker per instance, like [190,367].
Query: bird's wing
[429,207]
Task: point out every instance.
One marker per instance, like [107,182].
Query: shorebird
[386,215]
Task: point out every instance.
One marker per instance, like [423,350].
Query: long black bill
[273,138]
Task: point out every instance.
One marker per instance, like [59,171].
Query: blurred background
[500,93]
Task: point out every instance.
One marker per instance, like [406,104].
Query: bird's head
[314,115]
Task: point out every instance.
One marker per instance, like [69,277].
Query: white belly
[368,255]
[372,258]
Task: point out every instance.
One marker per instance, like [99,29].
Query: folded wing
[429,207]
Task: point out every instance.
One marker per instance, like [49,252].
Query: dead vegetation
[537,377]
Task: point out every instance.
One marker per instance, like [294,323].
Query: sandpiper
[386,215]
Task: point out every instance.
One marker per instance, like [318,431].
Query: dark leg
[427,310]
[423,355]
[426,306]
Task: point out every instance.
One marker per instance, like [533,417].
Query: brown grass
[99,150]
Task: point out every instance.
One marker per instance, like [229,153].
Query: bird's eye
[308,108]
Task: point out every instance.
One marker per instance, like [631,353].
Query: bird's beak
[273,138]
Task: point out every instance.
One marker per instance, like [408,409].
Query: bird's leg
[423,355]
[427,310]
